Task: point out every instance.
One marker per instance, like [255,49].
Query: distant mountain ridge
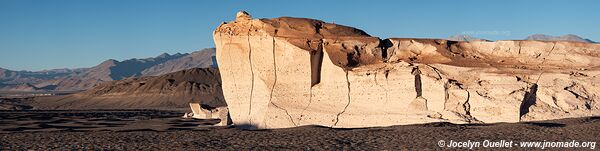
[109,70]
[461,37]
[16,77]
[198,59]
[567,37]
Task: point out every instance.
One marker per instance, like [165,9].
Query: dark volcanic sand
[164,130]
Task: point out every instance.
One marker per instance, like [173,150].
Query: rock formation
[287,72]
[202,111]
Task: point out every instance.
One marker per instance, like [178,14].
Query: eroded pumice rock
[287,72]
[202,111]
[242,16]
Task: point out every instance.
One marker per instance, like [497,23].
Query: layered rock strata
[287,72]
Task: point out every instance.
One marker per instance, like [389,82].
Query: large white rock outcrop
[287,72]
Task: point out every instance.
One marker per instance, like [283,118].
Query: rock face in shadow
[287,72]
[174,90]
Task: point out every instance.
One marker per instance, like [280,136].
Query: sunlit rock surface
[287,72]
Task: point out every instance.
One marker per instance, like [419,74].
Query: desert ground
[166,130]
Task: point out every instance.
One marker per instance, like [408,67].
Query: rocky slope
[19,87]
[287,72]
[567,37]
[174,90]
[109,70]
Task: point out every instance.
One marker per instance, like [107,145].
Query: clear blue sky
[46,34]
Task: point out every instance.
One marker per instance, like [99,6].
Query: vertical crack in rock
[230,58]
[385,90]
[309,102]
[275,83]
[543,61]
[418,88]
[387,83]
[528,100]
[382,87]
[316,61]
[466,105]
[519,44]
[337,118]
[252,74]
[386,73]
[446,93]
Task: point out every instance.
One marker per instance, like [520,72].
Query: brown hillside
[174,90]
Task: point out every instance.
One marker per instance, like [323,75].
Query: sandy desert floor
[165,130]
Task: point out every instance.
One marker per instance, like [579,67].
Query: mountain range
[539,37]
[109,70]
[461,37]
[567,37]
